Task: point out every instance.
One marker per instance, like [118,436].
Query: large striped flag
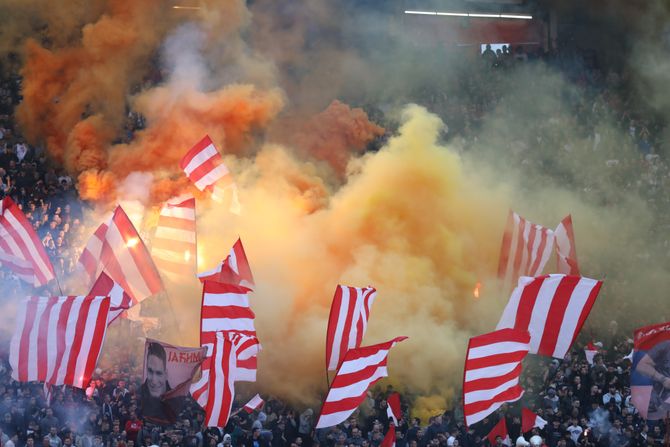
[525,250]
[225,308]
[221,381]
[552,308]
[204,166]
[234,269]
[20,248]
[174,243]
[58,339]
[117,249]
[566,252]
[492,371]
[120,301]
[348,321]
[360,369]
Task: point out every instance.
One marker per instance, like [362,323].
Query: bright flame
[132,242]
[187,255]
[475,292]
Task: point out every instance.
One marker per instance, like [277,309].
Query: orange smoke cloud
[62,85]
[176,122]
[97,185]
[333,135]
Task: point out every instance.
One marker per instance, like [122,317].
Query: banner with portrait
[168,372]
[650,376]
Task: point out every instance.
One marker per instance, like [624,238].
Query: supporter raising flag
[552,308]
[389,438]
[117,249]
[566,252]
[174,243]
[234,269]
[348,321]
[20,248]
[360,369]
[499,430]
[530,420]
[253,404]
[492,371]
[526,248]
[58,339]
[393,410]
[204,166]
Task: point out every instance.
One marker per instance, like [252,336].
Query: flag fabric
[57,339]
[253,404]
[117,249]
[389,438]
[530,420]
[174,243]
[590,351]
[120,301]
[225,307]
[203,165]
[651,371]
[526,248]
[492,371]
[360,369]
[234,269]
[21,250]
[552,308]
[393,411]
[221,383]
[566,252]
[500,429]
[348,321]
[247,348]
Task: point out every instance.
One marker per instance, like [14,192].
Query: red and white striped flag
[204,166]
[360,369]
[530,420]
[225,307]
[117,249]
[174,243]
[500,429]
[120,301]
[566,252]
[58,339]
[393,411]
[552,308]
[526,248]
[389,438]
[20,248]
[253,404]
[348,321]
[492,371]
[221,383]
[234,269]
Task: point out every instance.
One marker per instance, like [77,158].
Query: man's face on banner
[156,376]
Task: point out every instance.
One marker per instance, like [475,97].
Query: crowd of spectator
[584,404]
